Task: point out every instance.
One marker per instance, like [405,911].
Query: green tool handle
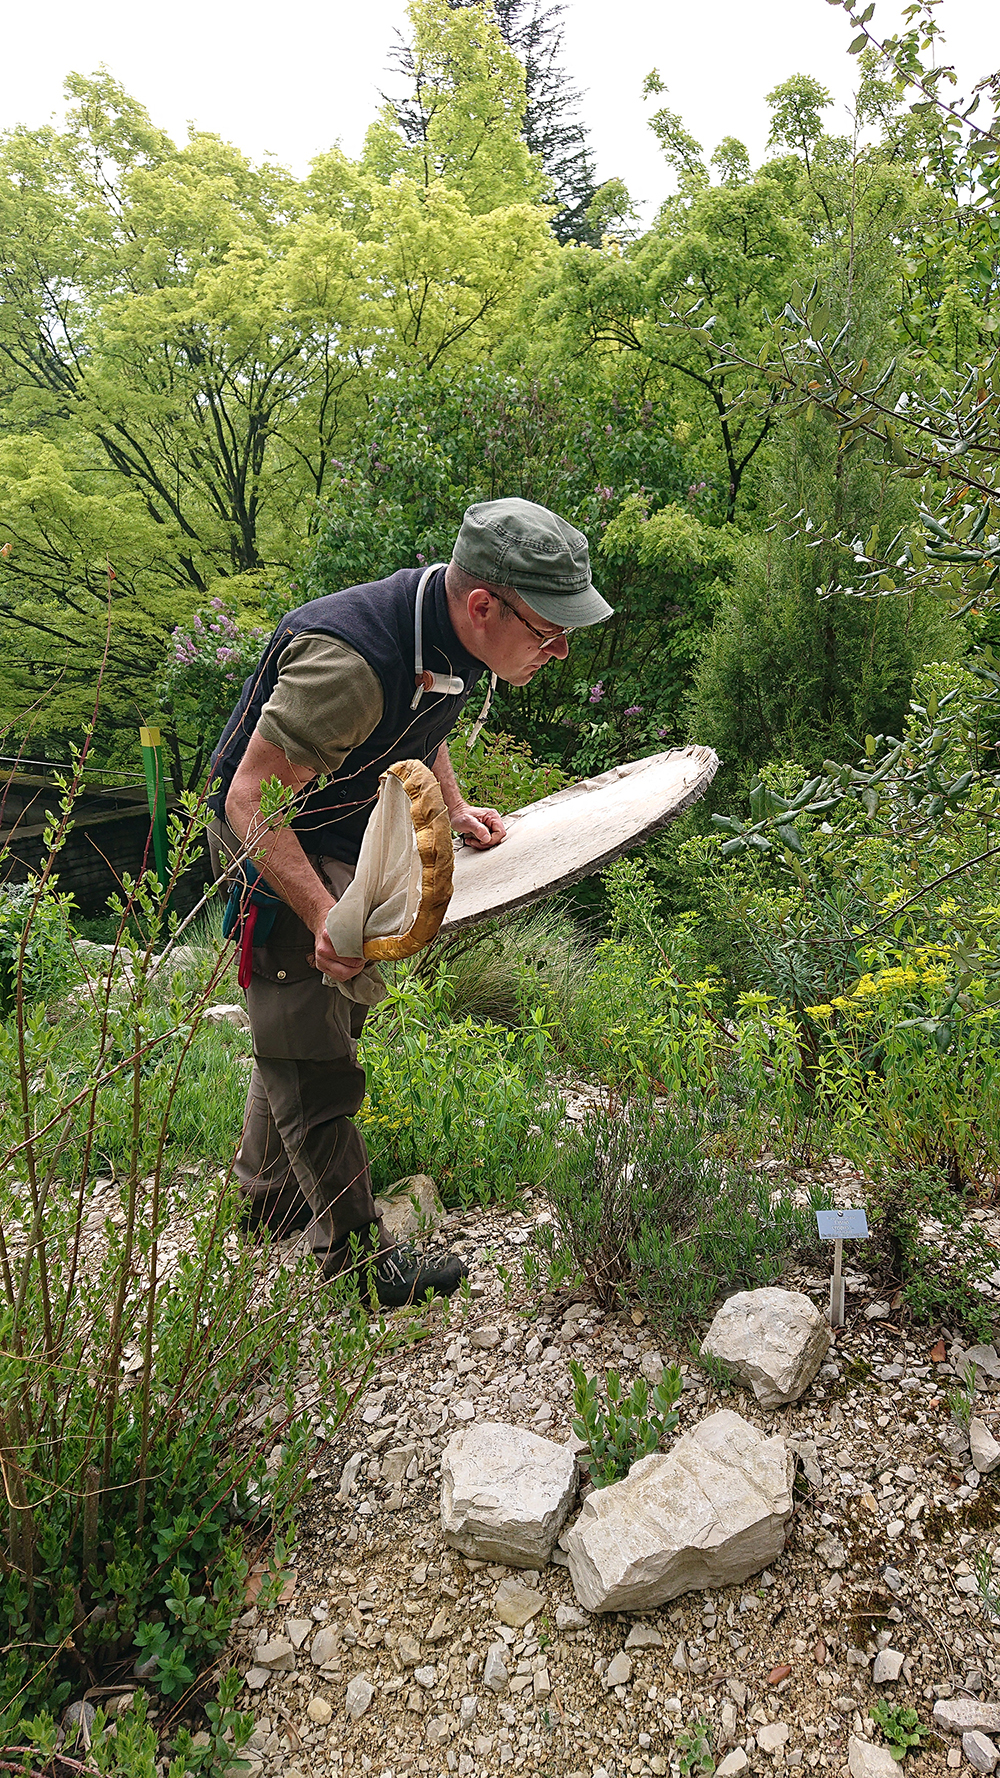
[152,760]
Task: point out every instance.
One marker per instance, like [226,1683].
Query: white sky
[294,77]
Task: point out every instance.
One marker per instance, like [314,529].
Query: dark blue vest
[377,621]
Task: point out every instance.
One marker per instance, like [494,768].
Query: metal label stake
[839,1226]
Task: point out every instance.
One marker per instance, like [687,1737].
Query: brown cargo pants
[302,1164]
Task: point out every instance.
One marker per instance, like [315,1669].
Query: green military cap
[514,543]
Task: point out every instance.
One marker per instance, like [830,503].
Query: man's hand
[481,828]
[324,957]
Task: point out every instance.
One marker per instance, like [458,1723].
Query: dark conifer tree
[552,127]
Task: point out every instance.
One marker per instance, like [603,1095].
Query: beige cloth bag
[402,884]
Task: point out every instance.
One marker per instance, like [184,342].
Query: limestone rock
[319,1711]
[569,1617]
[984,1447]
[516,1605]
[959,1716]
[772,1736]
[985,1359]
[277,1655]
[708,1514]
[980,1751]
[888,1665]
[733,1764]
[485,1338]
[360,1693]
[643,1636]
[775,1339]
[495,1669]
[410,1207]
[618,1671]
[865,1760]
[395,1464]
[324,1645]
[227,1015]
[505,1493]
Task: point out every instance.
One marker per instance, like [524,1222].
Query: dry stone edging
[505,1493]
[710,1513]
[774,1339]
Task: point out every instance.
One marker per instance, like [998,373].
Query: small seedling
[694,1750]
[718,1372]
[900,1725]
[623,1428]
[962,1401]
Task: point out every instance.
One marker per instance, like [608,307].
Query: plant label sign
[839,1226]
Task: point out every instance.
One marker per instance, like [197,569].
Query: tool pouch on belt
[250,914]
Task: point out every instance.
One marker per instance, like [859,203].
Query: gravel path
[378,1659]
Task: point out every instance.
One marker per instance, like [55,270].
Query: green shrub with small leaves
[619,1429]
[661,1210]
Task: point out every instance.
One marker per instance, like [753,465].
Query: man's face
[517,643]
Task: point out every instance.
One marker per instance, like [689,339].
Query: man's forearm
[444,772]
[274,847]
[279,857]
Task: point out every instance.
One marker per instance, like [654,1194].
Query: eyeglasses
[555,636]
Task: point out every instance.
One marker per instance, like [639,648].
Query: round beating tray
[575,832]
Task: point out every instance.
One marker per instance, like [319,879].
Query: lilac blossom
[597,692]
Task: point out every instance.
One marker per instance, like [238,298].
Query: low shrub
[656,1211]
[468,1103]
[618,1428]
[37,953]
[501,970]
[499,772]
[162,1387]
[941,1258]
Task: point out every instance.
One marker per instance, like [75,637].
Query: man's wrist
[316,921]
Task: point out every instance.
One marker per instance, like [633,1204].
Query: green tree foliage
[716,262]
[184,339]
[214,372]
[795,668]
[551,128]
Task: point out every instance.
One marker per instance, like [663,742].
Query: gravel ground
[376,1659]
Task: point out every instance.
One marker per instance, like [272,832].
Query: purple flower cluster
[217,642]
[634,710]
[695,489]
[597,692]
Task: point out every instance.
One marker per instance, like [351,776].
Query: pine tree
[552,128]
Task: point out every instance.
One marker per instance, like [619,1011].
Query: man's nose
[559,647]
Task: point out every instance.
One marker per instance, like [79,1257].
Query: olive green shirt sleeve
[327,700]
